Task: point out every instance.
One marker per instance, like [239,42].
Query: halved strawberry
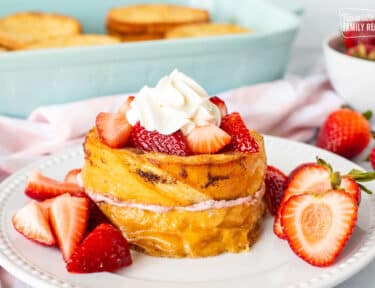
[351,187]
[308,177]
[69,217]
[40,187]
[220,104]
[46,204]
[207,139]
[318,226]
[174,144]
[241,138]
[278,228]
[125,107]
[275,182]
[32,222]
[113,129]
[71,176]
[318,178]
[104,249]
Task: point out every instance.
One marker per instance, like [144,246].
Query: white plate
[270,263]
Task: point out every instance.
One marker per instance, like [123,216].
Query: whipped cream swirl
[177,102]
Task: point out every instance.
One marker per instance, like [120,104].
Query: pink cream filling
[201,206]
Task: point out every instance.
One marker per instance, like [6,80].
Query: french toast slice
[20,29]
[189,233]
[153,18]
[155,178]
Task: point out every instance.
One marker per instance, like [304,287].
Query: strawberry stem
[361,176]
[355,174]
[335,177]
[364,188]
[335,180]
[367,114]
[324,163]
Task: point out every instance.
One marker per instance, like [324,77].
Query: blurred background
[319,21]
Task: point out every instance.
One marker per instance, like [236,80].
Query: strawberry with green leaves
[318,178]
[345,132]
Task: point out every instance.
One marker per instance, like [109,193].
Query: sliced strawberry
[96,217]
[318,226]
[351,187]
[125,107]
[148,141]
[220,104]
[113,129]
[275,182]
[104,249]
[40,187]
[207,139]
[71,176]
[46,204]
[241,138]
[278,228]
[32,222]
[308,177]
[69,216]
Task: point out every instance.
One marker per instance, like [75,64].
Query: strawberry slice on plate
[241,138]
[276,182]
[96,216]
[69,216]
[207,139]
[113,129]
[318,226]
[71,176]
[33,223]
[316,178]
[220,104]
[308,177]
[40,187]
[351,187]
[104,249]
[153,141]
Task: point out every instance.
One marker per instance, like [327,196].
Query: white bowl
[353,78]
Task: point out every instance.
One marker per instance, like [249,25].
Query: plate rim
[35,277]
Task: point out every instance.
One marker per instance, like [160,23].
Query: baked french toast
[156,178]
[176,173]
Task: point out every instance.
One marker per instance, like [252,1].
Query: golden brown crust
[74,41]
[205,30]
[189,234]
[135,37]
[20,29]
[167,180]
[153,18]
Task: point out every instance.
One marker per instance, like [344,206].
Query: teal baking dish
[32,78]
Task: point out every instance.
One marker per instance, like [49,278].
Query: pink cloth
[291,108]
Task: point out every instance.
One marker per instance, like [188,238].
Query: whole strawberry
[345,132]
[372,158]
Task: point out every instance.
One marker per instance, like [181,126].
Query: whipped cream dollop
[177,102]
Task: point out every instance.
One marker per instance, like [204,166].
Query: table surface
[304,60]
